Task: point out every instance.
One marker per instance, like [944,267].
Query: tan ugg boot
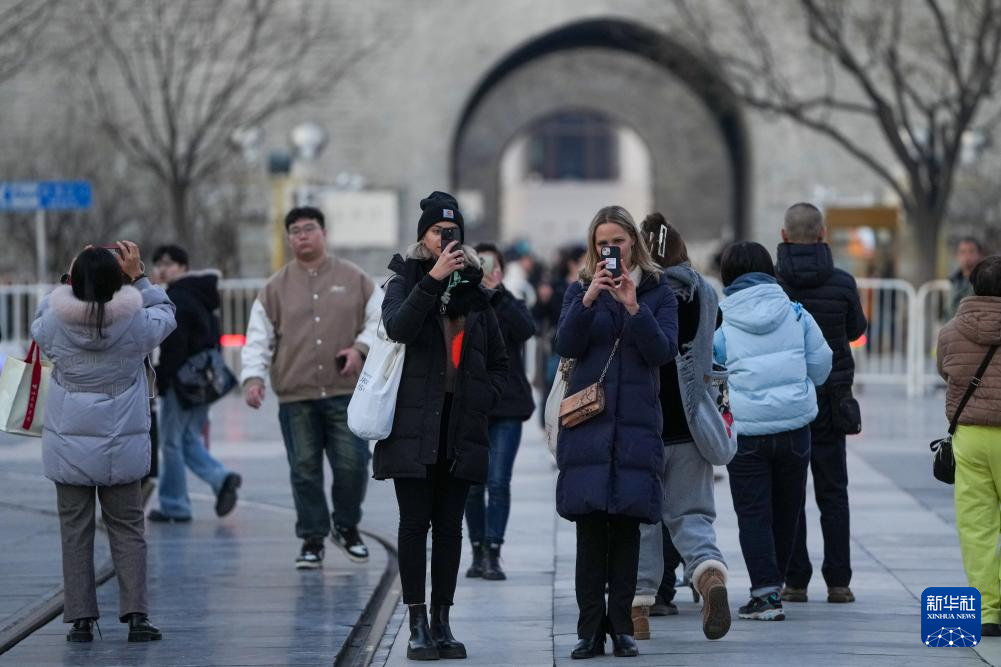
[641,622]
[710,581]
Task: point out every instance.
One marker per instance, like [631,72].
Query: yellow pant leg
[978,518]
[991,437]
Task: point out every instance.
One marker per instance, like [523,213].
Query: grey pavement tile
[900,547]
[990,651]
[30,556]
[510,622]
[225,592]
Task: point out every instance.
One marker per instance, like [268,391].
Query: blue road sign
[45,195]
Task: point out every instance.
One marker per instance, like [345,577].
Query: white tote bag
[373,405]
[556,396]
[23,388]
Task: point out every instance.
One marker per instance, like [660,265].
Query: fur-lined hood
[78,315]
[97,416]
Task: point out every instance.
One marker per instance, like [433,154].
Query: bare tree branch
[919,73]
[945,35]
[171,80]
[21,25]
[76,151]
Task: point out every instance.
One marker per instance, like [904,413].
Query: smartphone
[488,264]
[113,248]
[341,362]
[448,235]
[612,256]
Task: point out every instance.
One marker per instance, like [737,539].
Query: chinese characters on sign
[951,603]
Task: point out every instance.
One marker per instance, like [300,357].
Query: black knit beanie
[439,207]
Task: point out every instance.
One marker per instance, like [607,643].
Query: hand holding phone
[129,258]
[451,259]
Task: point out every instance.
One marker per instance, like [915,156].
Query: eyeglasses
[302,231]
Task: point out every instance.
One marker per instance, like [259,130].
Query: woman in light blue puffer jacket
[98,331]
[777,356]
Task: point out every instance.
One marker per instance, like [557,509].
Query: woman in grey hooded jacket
[98,331]
[689,503]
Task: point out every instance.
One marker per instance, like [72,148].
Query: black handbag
[944,463]
[203,379]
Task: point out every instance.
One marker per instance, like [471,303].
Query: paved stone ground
[225,593]
[903,541]
[511,622]
[30,562]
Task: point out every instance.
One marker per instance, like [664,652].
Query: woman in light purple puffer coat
[98,331]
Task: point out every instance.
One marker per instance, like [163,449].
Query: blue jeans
[487,520]
[768,484]
[310,429]
[183,446]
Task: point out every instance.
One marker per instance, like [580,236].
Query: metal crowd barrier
[18,304]
[884,354]
[897,349]
[933,309]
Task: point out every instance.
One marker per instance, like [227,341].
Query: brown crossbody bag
[589,401]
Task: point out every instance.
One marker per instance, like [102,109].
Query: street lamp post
[289,171]
[308,140]
[279,170]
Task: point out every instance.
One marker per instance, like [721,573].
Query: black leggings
[436,502]
[608,551]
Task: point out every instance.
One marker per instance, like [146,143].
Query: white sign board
[365,219]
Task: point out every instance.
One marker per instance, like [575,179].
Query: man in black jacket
[806,271]
[196,296]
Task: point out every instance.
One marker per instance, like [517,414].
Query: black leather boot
[82,630]
[589,648]
[476,569]
[625,646]
[421,646]
[141,630]
[492,569]
[441,632]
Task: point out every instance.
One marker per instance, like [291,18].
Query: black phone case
[447,236]
[618,263]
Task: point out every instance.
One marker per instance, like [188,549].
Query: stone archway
[687,117]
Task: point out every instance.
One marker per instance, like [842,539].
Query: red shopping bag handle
[36,381]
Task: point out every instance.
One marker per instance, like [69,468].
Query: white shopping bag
[23,388]
[373,405]
[556,396]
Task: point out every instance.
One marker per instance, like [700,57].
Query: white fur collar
[125,303]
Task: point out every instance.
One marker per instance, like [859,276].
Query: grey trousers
[689,512]
[121,508]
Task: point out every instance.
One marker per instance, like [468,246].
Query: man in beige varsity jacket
[309,331]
